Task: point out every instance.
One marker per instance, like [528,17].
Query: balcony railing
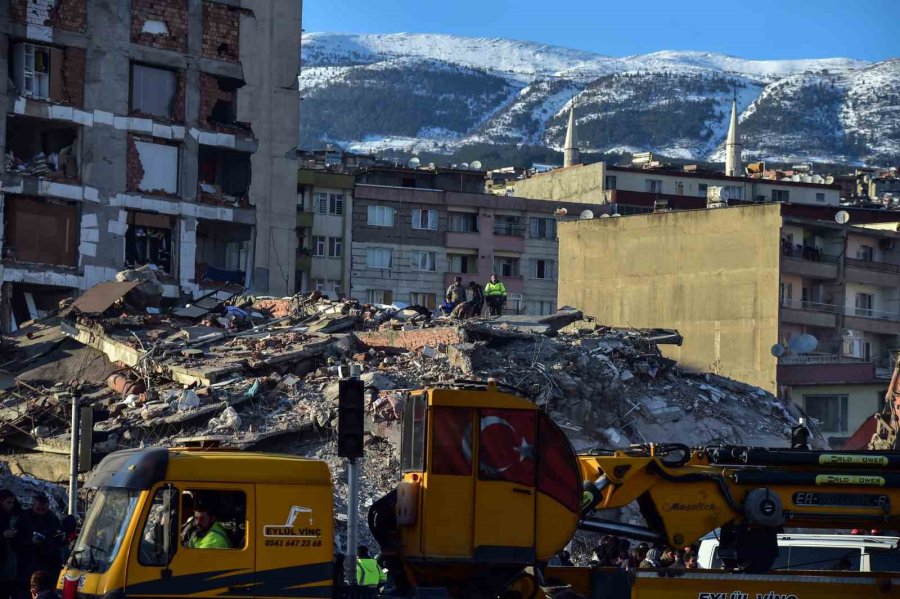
[818,359]
[874,265]
[796,304]
[876,314]
[808,253]
[509,230]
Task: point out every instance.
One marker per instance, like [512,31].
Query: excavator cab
[490,485]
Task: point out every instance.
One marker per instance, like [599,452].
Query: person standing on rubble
[476,304]
[495,293]
[456,293]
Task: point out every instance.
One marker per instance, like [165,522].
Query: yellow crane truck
[491,489]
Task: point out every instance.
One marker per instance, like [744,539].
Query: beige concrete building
[738,281]
[324,231]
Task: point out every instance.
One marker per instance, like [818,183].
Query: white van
[856,553]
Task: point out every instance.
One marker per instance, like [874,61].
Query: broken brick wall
[73,77]
[210,93]
[70,15]
[134,171]
[221,31]
[174,13]
[412,340]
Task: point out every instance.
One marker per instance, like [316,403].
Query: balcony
[460,239]
[809,313]
[809,262]
[872,321]
[305,219]
[840,372]
[870,272]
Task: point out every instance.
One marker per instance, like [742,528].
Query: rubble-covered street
[261,373]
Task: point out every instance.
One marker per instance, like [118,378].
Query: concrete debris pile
[249,372]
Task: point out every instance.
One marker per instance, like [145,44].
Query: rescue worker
[42,585]
[368,572]
[495,294]
[208,533]
[456,293]
[38,534]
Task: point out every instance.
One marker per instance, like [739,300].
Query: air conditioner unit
[31,70]
[886,244]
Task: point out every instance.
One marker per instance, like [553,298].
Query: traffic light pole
[73,453]
[351,430]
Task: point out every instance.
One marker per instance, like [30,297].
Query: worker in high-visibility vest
[495,295]
[368,572]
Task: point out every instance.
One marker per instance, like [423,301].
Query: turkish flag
[452,444]
[507,446]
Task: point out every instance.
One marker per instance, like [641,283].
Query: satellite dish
[616,215]
[476,165]
[604,216]
[842,217]
[586,215]
[778,350]
[414,162]
[464,165]
[818,179]
[803,344]
[829,180]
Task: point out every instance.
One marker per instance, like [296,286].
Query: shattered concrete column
[269,103]
[187,253]
[4,98]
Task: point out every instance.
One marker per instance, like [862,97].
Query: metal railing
[797,304]
[819,359]
[874,265]
[810,254]
[509,230]
[874,314]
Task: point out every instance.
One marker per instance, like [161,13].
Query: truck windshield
[104,528]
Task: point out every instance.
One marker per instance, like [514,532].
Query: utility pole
[74,450]
[351,432]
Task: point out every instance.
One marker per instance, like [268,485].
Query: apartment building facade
[155,132]
[742,285]
[415,230]
[647,189]
[324,231]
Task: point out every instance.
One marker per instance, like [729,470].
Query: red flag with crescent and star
[507,446]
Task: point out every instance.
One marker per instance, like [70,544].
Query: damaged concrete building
[146,133]
[749,287]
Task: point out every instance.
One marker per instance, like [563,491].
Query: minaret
[733,146]
[571,155]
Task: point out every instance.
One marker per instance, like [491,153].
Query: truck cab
[267,521]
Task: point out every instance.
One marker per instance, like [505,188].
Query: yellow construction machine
[491,490]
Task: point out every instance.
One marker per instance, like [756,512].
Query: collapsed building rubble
[249,372]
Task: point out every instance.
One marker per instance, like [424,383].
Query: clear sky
[761,29]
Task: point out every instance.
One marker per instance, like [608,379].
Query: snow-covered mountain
[431,92]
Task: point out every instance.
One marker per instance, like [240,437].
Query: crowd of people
[468,301]
[34,544]
[615,552]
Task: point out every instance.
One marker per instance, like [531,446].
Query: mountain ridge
[439,92]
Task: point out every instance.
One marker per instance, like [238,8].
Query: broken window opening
[223,250]
[224,109]
[224,176]
[32,302]
[149,240]
[153,91]
[31,69]
[159,166]
[43,148]
[40,231]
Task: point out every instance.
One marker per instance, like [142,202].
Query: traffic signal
[351,418]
